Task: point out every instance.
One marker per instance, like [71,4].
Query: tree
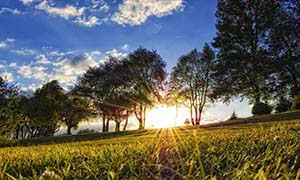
[17,120]
[75,109]
[243,64]
[191,81]
[119,87]
[105,86]
[284,43]
[45,109]
[146,74]
[7,91]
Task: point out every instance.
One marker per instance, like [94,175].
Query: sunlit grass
[265,151]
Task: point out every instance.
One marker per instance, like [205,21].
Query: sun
[164,116]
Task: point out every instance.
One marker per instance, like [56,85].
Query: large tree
[243,66]
[284,43]
[45,109]
[191,81]
[145,75]
[74,110]
[119,87]
[7,91]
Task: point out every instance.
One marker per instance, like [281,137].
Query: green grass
[269,150]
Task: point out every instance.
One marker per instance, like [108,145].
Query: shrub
[4,142]
[233,116]
[187,122]
[296,103]
[261,108]
[283,105]
[86,131]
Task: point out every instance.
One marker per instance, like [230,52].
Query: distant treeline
[255,54]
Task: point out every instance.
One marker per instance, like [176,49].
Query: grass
[269,150]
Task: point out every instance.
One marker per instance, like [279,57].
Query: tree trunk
[103,124]
[191,116]
[140,117]
[126,121]
[107,125]
[69,130]
[117,129]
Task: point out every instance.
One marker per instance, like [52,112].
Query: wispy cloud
[69,68]
[88,22]
[8,10]
[125,47]
[115,53]
[23,52]
[7,42]
[27,1]
[42,59]
[136,12]
[35,72]
[64,12]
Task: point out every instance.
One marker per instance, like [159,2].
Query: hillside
[265,150]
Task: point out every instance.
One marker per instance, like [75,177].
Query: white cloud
[13,65]
[24,52]
[7,76]
[69,68]
[8,10]
[26,1]
[100,5]
[88,22]
[1,66]
[3,44]
[95,53]
[65,12]
[125,47]
[11,40]
[36,72]
[7,42]
[136,12]
[42,59]
[31,88]
[115,53]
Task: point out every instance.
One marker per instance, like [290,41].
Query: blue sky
[41,40]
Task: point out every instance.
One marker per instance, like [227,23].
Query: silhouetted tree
[74,110]
[191,80]
[146,73]
[243,67]
[284,43]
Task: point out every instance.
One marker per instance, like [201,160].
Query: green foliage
[5,142]
[243,65]
[261,108]
[132,84]
[191,81]
[284,45]
[45,109]
[270,151]
[283,105]
[296,103]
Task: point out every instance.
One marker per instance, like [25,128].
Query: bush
[4,142]
[233,116]
[296,103]
[261,108]
[86,131]
[283,105]
[187,122]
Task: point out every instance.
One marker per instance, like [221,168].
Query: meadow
[268,150]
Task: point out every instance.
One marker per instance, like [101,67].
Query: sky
[43,40]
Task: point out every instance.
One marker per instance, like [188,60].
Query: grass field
[269,150]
